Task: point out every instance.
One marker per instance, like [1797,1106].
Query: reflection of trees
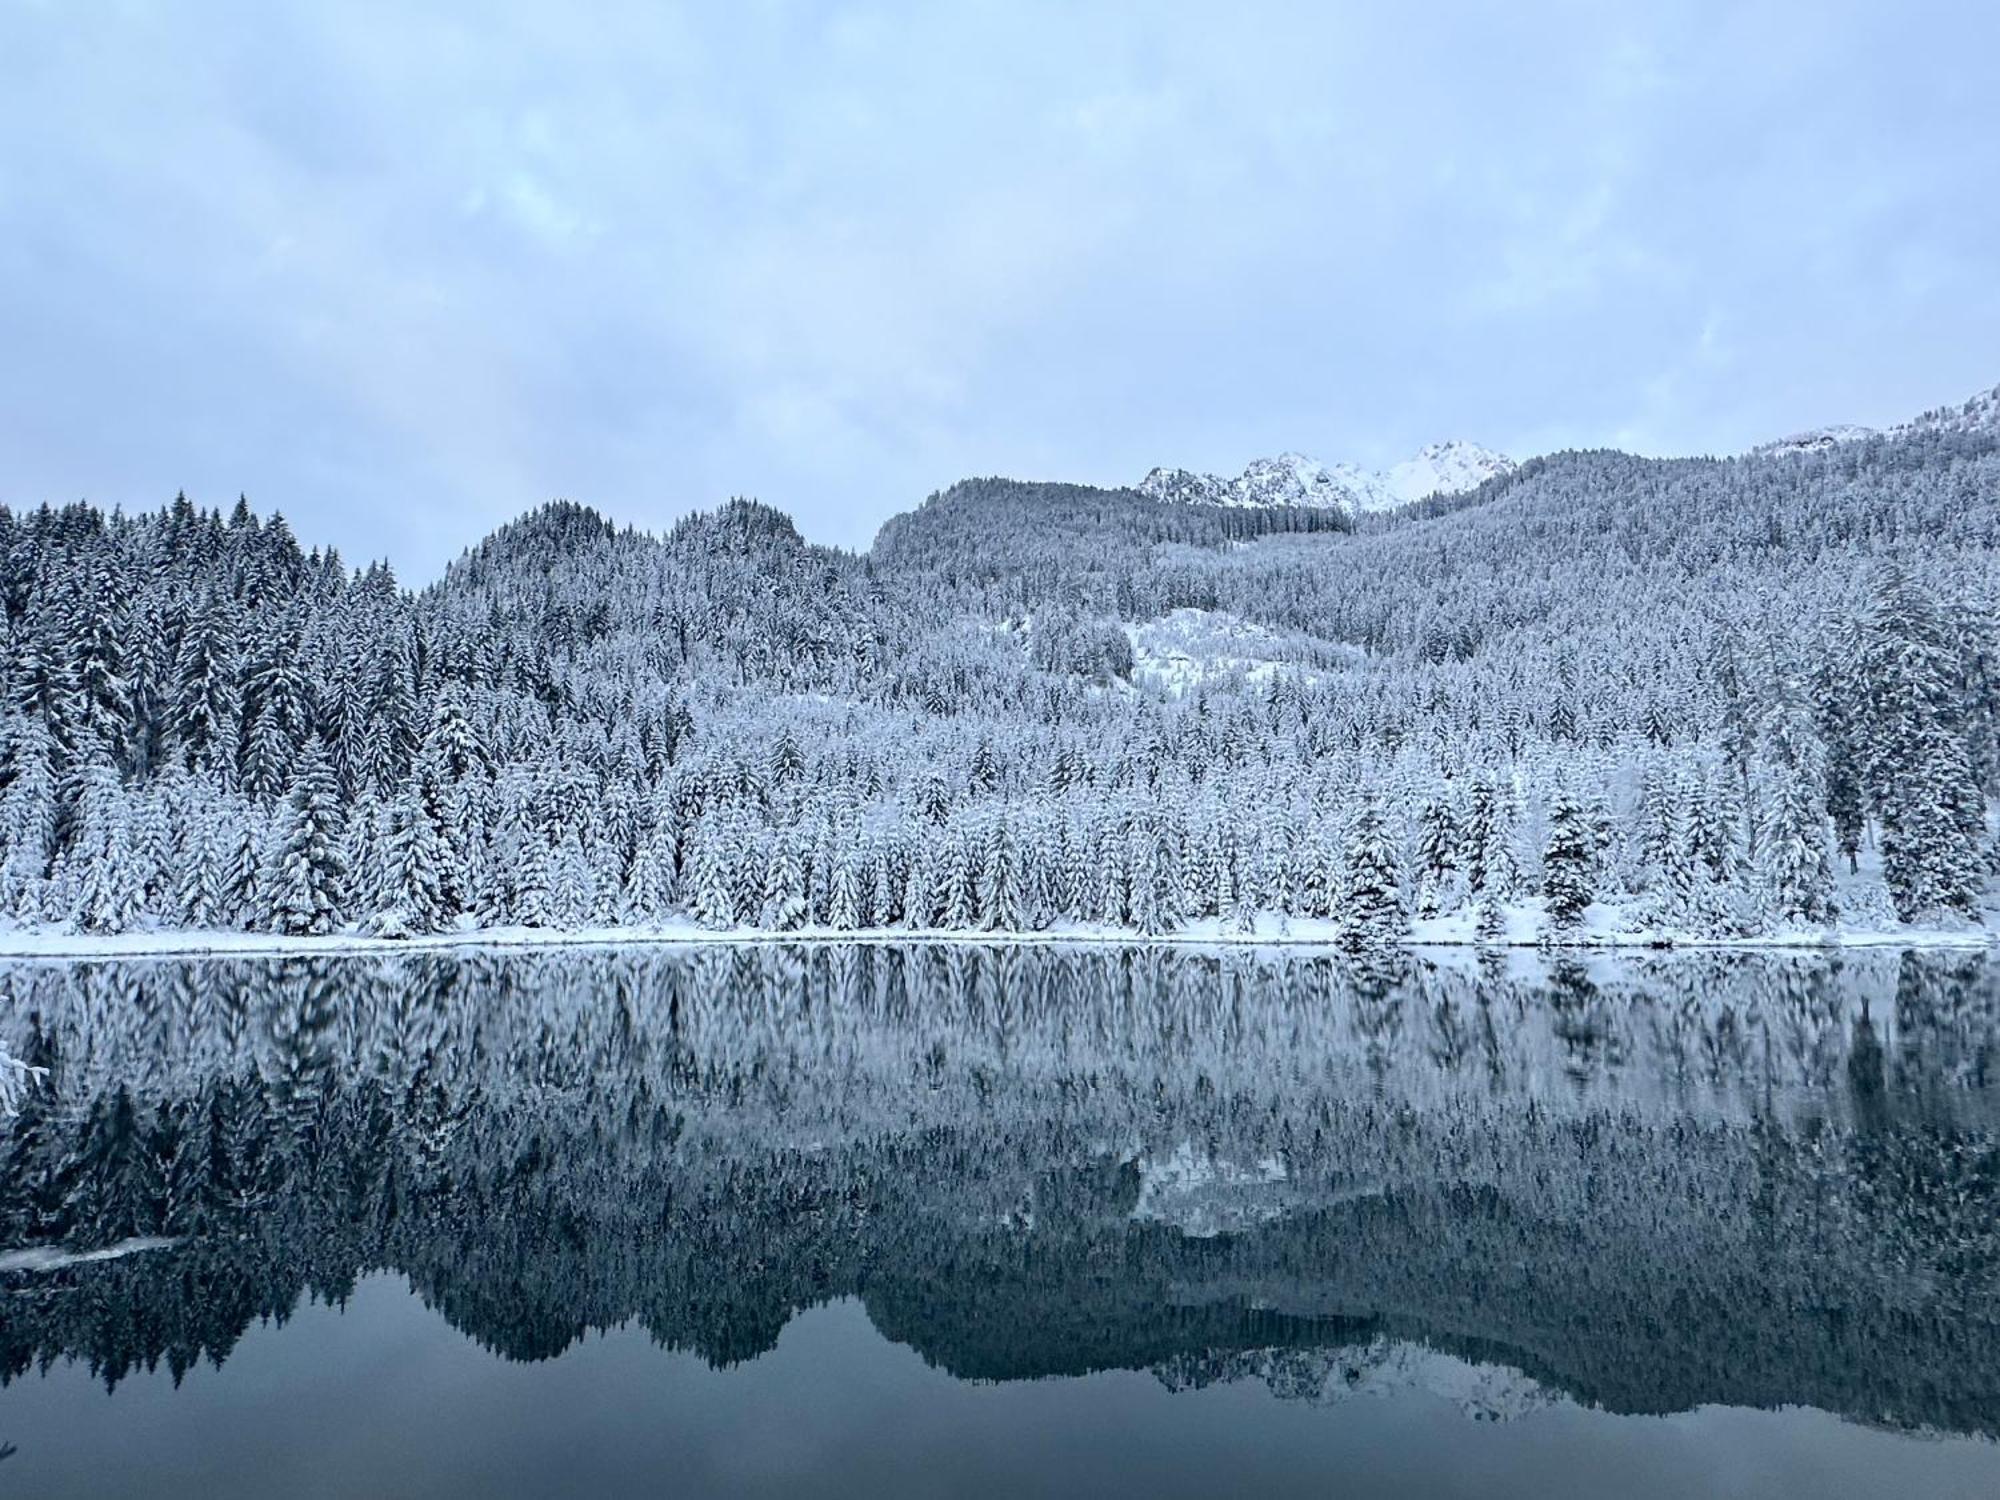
[1651,1184]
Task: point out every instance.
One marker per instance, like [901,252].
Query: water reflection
[1642,1186]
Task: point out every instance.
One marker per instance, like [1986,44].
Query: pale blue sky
[403,271]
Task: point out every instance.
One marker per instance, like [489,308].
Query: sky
[404,271]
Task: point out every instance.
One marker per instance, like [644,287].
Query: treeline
[1720,698]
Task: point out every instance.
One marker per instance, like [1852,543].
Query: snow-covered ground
[1186,648]
[1203,1195]
[1605,926]
[40,1258]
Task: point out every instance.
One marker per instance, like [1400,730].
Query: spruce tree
[1372,912]
[417,856]
[307,882]
[1917,769]
[1566,866]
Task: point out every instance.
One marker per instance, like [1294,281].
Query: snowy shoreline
[1452,932]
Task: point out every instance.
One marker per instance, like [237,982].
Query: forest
[1696,698]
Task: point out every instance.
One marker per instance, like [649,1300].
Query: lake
[953,1220]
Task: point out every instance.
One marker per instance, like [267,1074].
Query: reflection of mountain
[1753,1182]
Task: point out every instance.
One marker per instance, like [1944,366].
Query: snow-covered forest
[1705,697]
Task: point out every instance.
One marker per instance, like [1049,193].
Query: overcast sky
[403,271]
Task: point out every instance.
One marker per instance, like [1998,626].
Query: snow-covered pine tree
[102,885]
[847,900]
[786,904]
[714,860]
[1917,771]
[1000,904]
[1372,912]
[1567,866]
[306,884]
[417,855]
[1437,852]
[1790,781]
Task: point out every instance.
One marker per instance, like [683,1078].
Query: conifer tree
[1566,866]
[417,855]
[307,881]
[1372,912]
[1917,770]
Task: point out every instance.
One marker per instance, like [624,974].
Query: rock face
[1292,479]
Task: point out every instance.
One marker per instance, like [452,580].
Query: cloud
[404,272]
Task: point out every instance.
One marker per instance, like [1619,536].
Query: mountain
[1292,479]
[1447,468]
[1711,698]
[1977,414]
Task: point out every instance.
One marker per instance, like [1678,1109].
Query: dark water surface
[879,1221]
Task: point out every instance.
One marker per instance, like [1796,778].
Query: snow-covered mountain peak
[1980,413]
[1293,479]
[1447,468]
[1816,439]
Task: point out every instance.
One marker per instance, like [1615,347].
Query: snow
[1606,925]
[1980,413]
[1292,479]
[1186,648]
[1817,439]
[1204,1196]
[1448,468]
[1388,1368]
[43,1258]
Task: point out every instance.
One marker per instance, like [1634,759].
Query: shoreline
[29,945]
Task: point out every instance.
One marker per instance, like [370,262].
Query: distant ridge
[1292,479]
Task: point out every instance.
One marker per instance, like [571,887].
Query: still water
[1013,1221]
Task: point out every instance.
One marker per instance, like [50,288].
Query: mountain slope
[1595,679]
[1291,479]
[1977,414]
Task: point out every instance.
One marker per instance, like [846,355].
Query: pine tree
[1437,853]
[243,902]
[205,705]
[785,906]
[714,896]
[1372,913]
[1917,770]
[572,892]
[104,697]
[105,888]
[847,901]
[417,855]
[1000,906]
[27,816]
[955,902]
[650,890]
[1792,842]
[307,883]
[1567,864]
[919,888]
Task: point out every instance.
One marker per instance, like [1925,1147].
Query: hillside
[1716,697]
